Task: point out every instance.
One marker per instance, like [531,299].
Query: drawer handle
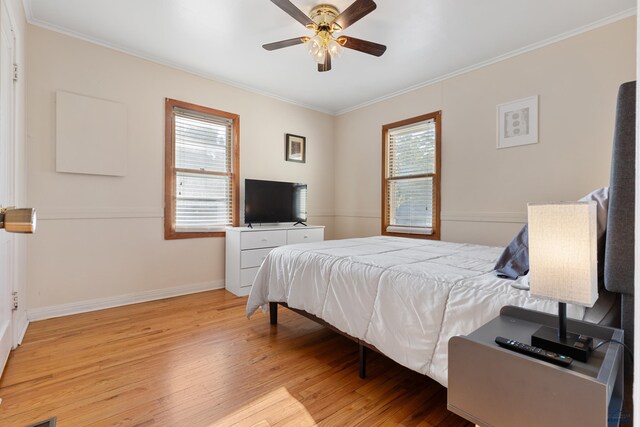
[264,239]
[306,237]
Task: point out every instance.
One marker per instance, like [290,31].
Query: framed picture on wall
[518,122]
[295,148]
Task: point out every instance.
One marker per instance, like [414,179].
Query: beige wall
[485,190]
[102,237]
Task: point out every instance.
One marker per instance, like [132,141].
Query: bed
[406,297]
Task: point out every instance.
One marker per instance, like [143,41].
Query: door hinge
[14,306]
[15,72]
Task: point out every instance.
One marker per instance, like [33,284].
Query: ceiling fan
[325,20]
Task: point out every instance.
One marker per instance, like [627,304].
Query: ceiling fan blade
[371,48]
[354,13]
[327,63]
[294,12]
[285,43]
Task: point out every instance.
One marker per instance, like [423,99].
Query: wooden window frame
[435,235]
[170,232]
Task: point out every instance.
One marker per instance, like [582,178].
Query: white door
[7,188]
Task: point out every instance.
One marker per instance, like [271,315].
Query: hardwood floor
[197,361]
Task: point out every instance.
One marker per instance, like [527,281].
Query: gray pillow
[514,261]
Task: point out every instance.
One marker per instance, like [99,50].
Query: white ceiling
[222,39]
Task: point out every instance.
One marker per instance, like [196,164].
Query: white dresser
[248,247]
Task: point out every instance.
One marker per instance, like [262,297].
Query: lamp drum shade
[563,252]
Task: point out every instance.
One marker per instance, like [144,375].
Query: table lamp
[563,267]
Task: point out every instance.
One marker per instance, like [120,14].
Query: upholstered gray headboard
[619,251]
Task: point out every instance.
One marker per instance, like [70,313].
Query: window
[201,170]
[411,177]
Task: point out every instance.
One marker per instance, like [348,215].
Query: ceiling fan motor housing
[324,14]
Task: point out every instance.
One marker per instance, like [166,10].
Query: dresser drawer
[253,257]
[263,239]
[247,275]
[305,236]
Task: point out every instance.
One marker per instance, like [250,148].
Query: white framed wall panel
[91,135]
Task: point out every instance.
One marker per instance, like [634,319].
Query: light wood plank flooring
[197,361]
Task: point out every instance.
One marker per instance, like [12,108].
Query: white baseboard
[119,300]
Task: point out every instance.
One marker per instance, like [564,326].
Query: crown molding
[28,11]
[138,54]
[555,39]
[580,30]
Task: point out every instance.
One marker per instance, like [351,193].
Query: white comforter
[406,297]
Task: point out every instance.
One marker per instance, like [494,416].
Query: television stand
[246,248]
[249,225]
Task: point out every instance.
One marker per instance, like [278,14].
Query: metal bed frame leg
[273,313]
[363,360]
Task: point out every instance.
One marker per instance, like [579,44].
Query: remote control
[538,353]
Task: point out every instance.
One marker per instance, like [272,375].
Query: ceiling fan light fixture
[334,48]
[319,56]
[316,47]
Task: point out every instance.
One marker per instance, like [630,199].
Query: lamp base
[573,345]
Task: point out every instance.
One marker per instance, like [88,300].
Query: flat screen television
[274,201]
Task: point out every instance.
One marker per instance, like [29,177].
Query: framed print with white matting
[518,122]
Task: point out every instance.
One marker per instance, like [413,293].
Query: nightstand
[492,386]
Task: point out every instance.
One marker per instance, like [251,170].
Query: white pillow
[522,283]
[601,197]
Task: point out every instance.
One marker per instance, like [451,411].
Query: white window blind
[300,201]
[411,154]
[203,171]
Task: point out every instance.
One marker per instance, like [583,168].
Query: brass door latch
[21,220]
